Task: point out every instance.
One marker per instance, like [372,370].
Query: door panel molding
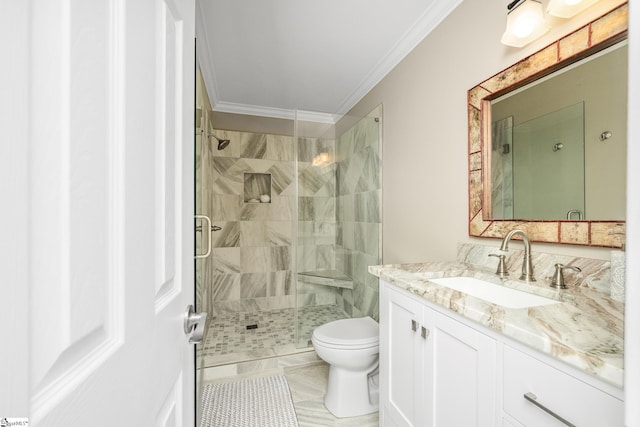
[168,153]
[77,196]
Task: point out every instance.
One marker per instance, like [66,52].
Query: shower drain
[252,327]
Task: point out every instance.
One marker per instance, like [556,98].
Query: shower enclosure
[338,222]
[292,222]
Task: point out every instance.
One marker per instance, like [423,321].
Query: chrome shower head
[222,143]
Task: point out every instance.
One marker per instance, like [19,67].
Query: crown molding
[430,19]
[277,113]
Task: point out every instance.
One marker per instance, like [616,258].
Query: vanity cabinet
[440,370]
[434,371]
[571,399]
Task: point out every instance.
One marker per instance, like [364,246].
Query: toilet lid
[348,332]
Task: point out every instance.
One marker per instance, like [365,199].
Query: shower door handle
[195,325]
[208,230]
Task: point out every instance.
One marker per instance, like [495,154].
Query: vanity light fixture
[568,8]
[525,23]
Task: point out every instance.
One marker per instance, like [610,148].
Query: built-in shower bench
[335,278]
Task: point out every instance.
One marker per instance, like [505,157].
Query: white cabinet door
[109,196]
[460,375]
[400,359]
[435,371]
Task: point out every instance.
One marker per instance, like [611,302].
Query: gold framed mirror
[600,34]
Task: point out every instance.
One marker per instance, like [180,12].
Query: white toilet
[350,347]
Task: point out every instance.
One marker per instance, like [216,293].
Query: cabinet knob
[414,325]
[425,333]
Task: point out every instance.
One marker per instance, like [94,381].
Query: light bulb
[525,23]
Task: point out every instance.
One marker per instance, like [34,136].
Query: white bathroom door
[109,205]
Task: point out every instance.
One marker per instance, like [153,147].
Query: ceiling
[271,57]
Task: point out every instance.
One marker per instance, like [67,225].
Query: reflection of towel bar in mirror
[573,212]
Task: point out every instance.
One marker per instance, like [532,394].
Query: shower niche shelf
[257,187]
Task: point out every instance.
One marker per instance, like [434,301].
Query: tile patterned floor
[229,341]
[231,352]
[307,377]
[308,385]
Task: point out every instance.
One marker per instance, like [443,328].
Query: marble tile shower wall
[316,218]
[338,220]
[358,213]
[250,268]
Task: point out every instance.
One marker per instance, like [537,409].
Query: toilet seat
[348,333]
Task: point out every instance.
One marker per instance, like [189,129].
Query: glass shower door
[339,221]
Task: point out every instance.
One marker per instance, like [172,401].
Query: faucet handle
[558,276]
[502,265]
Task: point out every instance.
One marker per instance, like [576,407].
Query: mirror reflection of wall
[551,184]
[549,166]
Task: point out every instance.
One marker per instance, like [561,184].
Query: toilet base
[349,394]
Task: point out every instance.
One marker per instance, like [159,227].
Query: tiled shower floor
[229,341]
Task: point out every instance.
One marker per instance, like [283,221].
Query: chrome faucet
[527,268]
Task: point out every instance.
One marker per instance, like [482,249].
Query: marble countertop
[585,330]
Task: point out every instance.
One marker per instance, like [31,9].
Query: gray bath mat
[259,402]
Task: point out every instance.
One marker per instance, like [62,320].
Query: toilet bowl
[350,347]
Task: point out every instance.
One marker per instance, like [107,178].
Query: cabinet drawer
[572,399]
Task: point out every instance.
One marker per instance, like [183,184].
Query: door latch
[194,325]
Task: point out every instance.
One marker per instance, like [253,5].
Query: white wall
[425,130]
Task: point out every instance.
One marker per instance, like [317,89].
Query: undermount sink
[496,294]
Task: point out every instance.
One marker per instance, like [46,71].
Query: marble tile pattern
[252,258]
[358,213]
[594,233]
[307,377]
[585,330]
[229,341]
[324,215]
[316,205]
[315,291]
[339,213]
